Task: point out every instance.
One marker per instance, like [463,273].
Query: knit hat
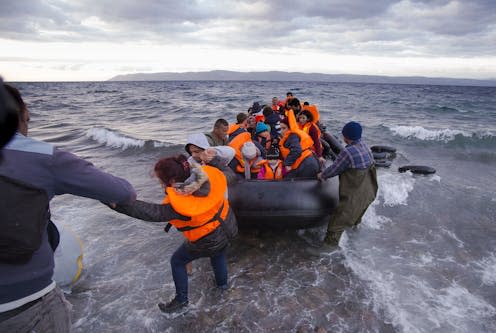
[249,150]
[352,131]
[261,127]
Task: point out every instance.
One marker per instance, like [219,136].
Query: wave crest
[422,133]
[114,139]
[443,135]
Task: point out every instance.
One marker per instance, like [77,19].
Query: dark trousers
[178,264]
[51,313]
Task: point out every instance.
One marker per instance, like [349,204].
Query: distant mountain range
[219,75]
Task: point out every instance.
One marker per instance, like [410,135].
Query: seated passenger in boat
[295,147]
[251,125]
[246,157]
[307,125]
[218,136]
[200,152]
[272,167]
[256,111]
[263,136]
[276,104]
[293,105]
[239,127]
[273,120]
[289,97]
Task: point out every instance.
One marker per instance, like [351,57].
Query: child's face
[303,119]
[196,152]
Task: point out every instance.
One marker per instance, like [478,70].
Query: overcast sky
[50,40]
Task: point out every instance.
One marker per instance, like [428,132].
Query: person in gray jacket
[201,152]
[32,172]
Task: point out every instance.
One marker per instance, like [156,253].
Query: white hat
[249,150]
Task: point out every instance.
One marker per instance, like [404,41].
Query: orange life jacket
[237,143]
[306,141]
[306,128]
[204,212]
[233,128]
[269,173]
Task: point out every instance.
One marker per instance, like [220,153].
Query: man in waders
[357,184]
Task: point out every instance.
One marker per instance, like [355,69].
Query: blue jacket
[273,121]
[57,172]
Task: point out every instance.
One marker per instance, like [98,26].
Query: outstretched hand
[208,154]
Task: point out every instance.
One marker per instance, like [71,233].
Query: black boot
[172,306]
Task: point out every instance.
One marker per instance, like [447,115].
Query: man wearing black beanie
[357,184]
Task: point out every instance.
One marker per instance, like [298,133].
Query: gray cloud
[381,27]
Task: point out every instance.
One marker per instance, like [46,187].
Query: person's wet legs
[178,264]
[219,265]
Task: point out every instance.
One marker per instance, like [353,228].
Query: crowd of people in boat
[271,142]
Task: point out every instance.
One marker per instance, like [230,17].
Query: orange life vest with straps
[271,174]
[306,141]
[233,128]
[237,143]
[206,212]
[306,129]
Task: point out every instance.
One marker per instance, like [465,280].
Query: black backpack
[24,215]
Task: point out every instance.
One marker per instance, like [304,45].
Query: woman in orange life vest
[196,204]
[271,168]
[307,125]
[295,146]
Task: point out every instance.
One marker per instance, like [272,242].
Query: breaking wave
[443,135]
[114,139]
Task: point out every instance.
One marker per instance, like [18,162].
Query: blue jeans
[178,264]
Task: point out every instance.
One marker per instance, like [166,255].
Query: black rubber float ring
[383,149]
[418,169]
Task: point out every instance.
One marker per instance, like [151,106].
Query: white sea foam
[487,269]
[435,178]
[406,298]
[422,133]
[395,188]
[113,139]
[393,191]
[372,220]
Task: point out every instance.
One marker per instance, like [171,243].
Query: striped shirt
[356,155]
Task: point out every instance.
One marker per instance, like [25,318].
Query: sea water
[423,259]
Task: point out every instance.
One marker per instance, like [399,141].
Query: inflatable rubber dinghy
[68,258]
[284,204]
